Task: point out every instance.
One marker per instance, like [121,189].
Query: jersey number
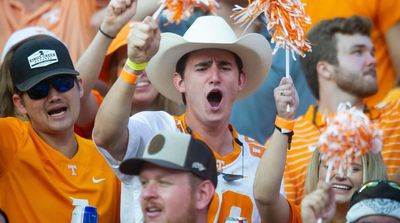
[226,203]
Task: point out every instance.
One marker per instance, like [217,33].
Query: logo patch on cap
[42,58]
[156,144]
[199,166]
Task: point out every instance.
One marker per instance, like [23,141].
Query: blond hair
[372,166]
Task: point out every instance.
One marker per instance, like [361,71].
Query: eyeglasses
[61,83]
[229,177]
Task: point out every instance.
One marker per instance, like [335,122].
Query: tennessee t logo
[73,169]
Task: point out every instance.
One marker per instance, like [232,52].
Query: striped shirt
[307,131]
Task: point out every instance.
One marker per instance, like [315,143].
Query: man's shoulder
[11,124]
[248,140]
[386,107]
[251,145]
[151,115]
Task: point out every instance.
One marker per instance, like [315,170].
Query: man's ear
[19,104]
[179,83]
[204,194]
[324,69]
[242,80]
[80,87]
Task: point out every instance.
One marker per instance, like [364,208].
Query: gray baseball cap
[178,151]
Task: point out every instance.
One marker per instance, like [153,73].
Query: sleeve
[141,127]
[12,134]
[144,125]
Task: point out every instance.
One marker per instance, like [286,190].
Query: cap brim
[133,166]
[28,84]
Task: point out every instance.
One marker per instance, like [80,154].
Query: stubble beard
[359,87]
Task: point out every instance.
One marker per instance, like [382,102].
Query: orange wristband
[284,123]
[128,77]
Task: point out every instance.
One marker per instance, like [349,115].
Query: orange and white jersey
[231,198]
[235,198]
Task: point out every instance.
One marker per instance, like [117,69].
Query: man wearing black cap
[44,166]
[178,175]
[376,201]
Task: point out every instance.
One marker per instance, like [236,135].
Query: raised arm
[272,206]
[118,13]
[110,129]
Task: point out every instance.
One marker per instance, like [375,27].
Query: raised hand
[286,94]
[143,41]
[320,203]
[118,13]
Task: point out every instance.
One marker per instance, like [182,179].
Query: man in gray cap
[376,201]
[178,176]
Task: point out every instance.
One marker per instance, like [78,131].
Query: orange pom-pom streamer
[286,20]
[176,10]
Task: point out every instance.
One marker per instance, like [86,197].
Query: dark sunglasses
[229,177]
[375,183]
[61,83]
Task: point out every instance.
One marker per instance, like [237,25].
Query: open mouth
[341,187]
[57,111]
[143,83]
[214,98]
[153,212]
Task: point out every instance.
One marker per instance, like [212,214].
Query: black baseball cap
[378,197]
[39,58]
[178,151]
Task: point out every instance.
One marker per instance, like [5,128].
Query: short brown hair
[324,44]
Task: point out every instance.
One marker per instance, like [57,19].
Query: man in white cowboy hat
[207,69]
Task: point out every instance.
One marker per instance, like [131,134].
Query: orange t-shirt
[383,13]
[38,183]
[68,19]
[306,134]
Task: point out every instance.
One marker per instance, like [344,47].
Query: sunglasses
[229,177]
[61,83]
[375,183]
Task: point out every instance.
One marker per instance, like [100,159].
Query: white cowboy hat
[209,32]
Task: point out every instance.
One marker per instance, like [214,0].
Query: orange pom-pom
[349,135]
[176,10]
[286,20]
